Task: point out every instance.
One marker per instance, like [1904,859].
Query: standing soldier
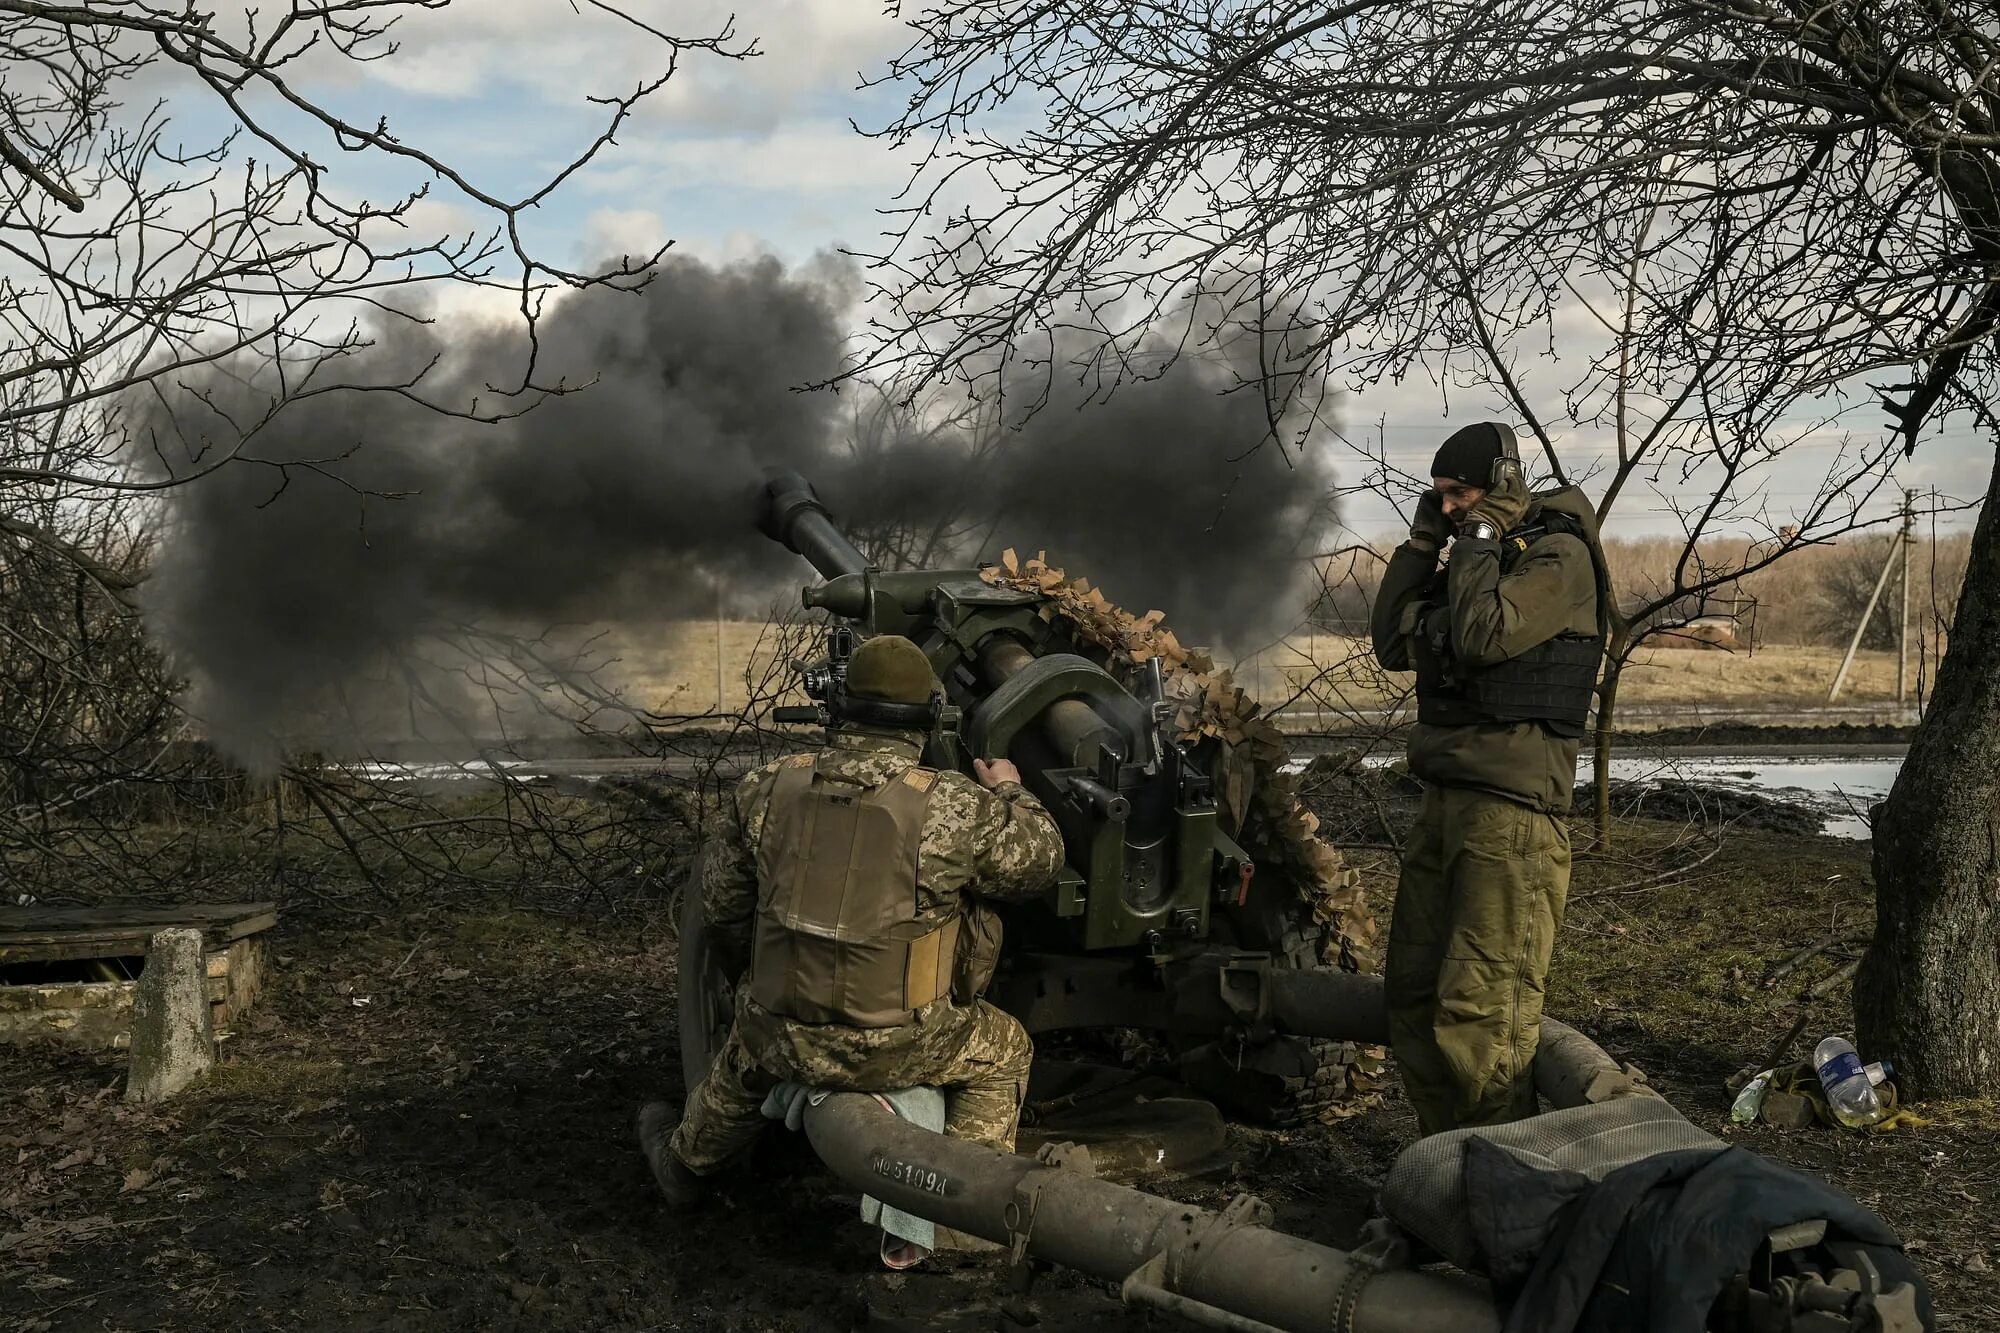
[1505,640]
[851,879]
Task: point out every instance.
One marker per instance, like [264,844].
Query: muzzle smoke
[324,576]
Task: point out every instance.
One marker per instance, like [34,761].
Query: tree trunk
[1928,992]
[1607,711]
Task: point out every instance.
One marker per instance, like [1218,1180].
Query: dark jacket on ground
[1551,589]
[1650,1247]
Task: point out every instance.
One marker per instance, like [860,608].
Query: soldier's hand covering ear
[1506,501]
[1429,528]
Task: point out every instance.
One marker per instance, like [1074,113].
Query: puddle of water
[468,770]
[1839,788]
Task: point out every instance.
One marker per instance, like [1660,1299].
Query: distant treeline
[1810,596]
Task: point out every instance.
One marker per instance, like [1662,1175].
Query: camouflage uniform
[1485,870]
[1000,845]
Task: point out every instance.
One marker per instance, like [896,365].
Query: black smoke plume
[356,531]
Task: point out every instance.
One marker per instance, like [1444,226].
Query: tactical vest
[1552,683]
[841,936]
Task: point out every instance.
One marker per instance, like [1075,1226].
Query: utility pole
[1903,604]
[1881,582]
[718,645]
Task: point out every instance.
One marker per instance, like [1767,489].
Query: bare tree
[1353,162]
[1844,593]
[1676,438]
[132,263]
[133,257]
[1810,187]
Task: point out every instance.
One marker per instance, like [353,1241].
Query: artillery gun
[1159,920]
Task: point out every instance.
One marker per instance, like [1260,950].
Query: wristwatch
[1480,530]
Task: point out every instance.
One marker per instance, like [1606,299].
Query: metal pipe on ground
[1226,1269]
[1570,1068]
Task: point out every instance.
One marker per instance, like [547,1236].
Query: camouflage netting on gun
[1260,802]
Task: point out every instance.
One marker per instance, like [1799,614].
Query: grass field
[675,671]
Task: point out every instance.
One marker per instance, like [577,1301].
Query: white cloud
[622,231]
[1410,418]
[501,90]
[738,158]
[813,156]
[562,54]
[426,221]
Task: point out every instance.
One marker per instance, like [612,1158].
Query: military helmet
[891,669]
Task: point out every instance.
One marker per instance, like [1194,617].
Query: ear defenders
[1508,464]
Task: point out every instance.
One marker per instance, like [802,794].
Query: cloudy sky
[734,158]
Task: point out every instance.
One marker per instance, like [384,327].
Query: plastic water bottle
[1879,1073]
[1849,1093]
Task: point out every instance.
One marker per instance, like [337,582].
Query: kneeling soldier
[853,877]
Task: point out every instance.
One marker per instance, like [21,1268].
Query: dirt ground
[1676,978]
[426,1122]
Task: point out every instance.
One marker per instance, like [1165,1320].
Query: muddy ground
[427,1120]
[426,1123]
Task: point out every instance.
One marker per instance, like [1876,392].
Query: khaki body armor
[843,932]
[1554,682]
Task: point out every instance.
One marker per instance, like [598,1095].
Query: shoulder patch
[920,777]
[953,781]
[805,760]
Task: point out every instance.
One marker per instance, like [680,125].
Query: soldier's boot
[682,1188]
[899,1254]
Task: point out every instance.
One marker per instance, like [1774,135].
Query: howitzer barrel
[791,514]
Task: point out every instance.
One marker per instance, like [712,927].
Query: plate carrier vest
[1553,683]
[841,934]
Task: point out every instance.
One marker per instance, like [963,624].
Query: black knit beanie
[1468,455]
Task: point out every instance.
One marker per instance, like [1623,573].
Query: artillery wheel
[707,984]
[1288,1080]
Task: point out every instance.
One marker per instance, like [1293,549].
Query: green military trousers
[1478,906]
